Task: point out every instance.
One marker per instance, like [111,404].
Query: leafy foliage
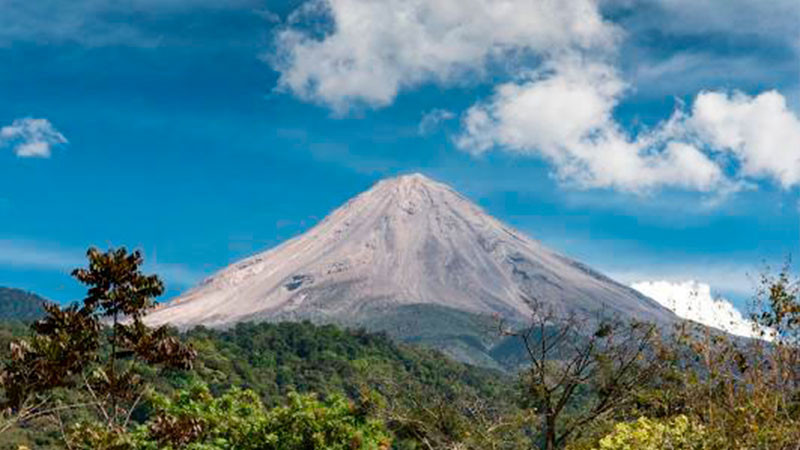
[194,419]
[274,359]
[678,433]
[423,397]
[745,393]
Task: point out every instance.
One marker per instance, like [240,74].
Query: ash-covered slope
[411,257]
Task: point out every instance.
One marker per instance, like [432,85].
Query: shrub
[195,420]
[678,433]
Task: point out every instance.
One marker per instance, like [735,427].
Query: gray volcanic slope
[411,257]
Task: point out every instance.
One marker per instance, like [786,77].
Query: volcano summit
[413,258]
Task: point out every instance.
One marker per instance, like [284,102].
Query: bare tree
[582,370]
[443,417]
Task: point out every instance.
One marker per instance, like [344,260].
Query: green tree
[97,348]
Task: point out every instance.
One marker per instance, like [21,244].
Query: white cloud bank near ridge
[31,138]
[363,53]
[694,301]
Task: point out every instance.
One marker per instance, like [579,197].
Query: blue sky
[202,133]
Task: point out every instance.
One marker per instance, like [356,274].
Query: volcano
[415,259]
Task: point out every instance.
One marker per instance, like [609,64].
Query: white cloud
[564,88]
[432,119]
[737,280]
[375,48]
[31,137]
[565,114]
[761,132]
[694,301]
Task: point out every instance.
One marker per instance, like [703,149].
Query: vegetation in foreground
[94,376]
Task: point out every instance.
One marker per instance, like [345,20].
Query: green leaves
[194,419]
[678,433]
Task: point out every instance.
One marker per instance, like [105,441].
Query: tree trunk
[549,432]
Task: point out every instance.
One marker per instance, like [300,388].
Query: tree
[98,347]
[582,370]
[776,319]
[746,391]
[432,417]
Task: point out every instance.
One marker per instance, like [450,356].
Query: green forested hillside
[275,360]
[16,304]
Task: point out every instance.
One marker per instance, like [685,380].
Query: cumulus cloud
[559,60]
[31,138]
[694,301]
[565,114]
[761,132]
[374,48]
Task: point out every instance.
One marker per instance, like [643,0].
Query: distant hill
[16,304]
